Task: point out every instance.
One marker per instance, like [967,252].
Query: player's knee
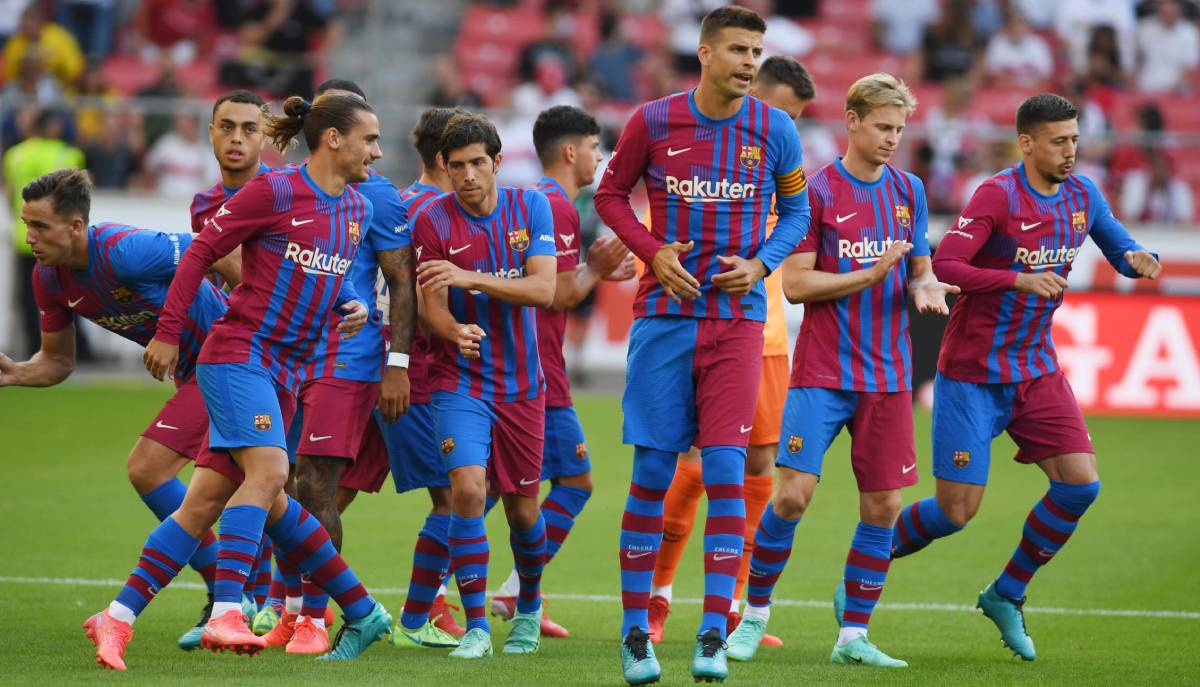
[1075,497]
[790,504]
[146,473]
[881,507]
[582,482]
[959,511]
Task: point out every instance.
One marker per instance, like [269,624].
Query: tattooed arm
[397,270]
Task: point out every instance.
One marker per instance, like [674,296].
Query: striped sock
[262,573]
[431,563]
[560,508]
[167,550]
[239,534]
[724,469]
[166,499]
[289,573]
[278,589]
[772,547]
[641,532]
[529,558]
[918,525]
[866,570]
[302,539]
[469,552]
[1047,529]
[489,503]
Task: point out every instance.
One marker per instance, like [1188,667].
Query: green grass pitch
[68,515]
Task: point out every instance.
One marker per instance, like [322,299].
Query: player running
[117,276]
[298,229]
[567,142]
[712,159]
[784,83]
[852,367]
[485,259]
[1010,252]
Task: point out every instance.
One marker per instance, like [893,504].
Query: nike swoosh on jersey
[77,301]
[160,425]
[296,224]
[1027,227]
[456,251]
[671,152]
[841,219]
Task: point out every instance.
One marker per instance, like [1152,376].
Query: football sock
[918,525]
[239,535]
[679,516]
[262,574]
[1046,530]
[758,495]
[560,508]
[866,571]
[772,547]
[165,499]
[641,532]
[278,590]
[166,551]
[724,531]
[469,552]
[431,563]
[529,558]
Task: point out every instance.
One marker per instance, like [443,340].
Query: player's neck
[860,169]
[1040,183]
[320,170]
[715,105]
[565,178]
[441,181]
[239,178]
[485,207]
[78,259]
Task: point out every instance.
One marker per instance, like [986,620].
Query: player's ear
[333,138]
[78,225]
[496,162]
[441,161]
[1025,143]
[851,120]
[570,153]
[704,54]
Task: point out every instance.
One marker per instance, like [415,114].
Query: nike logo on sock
[637,554]
[870,587]
[719,557]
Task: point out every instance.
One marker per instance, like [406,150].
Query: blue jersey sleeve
[791,192]
[920,217]
[541,225]
[388,229]
[149,256]
[1110,235]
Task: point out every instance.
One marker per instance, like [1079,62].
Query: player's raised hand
[626,270]
[677,282]
[1144,263]
[353,319]
[467,337]
[395,393]
[438,273]
[8,371]
[739,280]
[160,359]
[1045,284]
[930,297]
[606,255]
[888,260]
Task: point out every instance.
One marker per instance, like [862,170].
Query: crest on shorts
[903,216]
[122,294]
[518,239]
[751,156]
[962,459]
[1079,221]
[262,422]
[447,446]
[795,443]
[581,451]
[354,231]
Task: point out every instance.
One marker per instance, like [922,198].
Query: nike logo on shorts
[314,437]
[527,482]
[909,468]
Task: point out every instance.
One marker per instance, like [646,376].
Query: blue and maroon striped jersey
[552,324]
[711,182]
[860,342]
[297,244]
[206,203]
[123,289]
[416,198]
[499,244]
[996,334]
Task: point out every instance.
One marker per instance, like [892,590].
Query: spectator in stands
[179,162]
[92,100]
[91,22]
[548,88]
[1076,20]
[283,43]
[683,18]
[615,60]
[955,130]
[899,27]
[31,85]
[557,42]
[448,89]
[1104,59]
[172,26]
[1018,56]
[158,121]
[1168,49]
[950,47]
[113,156]
[60,53]
[1155,194]
[1039,13]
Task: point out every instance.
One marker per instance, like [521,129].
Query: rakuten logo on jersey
[119,323]
[864,251]
[313,261]
[697,190]
[1045,258]
[513,273]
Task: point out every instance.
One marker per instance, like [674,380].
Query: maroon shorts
[334,414]
[505,438]
[370,468]
[221,461]
[182,424]
[1046,420]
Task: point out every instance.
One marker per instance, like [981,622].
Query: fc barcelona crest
[903,216]
[447,446]
[962,459]
[795,443]
[262,422]
[122,294]
[751,156]
[581,451]
[518,240]
[1079,221]
[354,231]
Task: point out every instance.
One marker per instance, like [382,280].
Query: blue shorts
[882,451]
[691,381]
[504,438]
[412,449]
[566,452]
[1040,414]
[246,407]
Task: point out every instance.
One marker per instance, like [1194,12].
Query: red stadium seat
[127,74]
[514,26]
[645,30]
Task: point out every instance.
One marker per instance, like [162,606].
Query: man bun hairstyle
[329,111]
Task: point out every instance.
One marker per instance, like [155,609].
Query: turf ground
[1119,605]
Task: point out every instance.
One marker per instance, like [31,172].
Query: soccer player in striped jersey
[485,259]
[712,160]
[852,366]
[567,141]
[298,228]
[784,83]
[1010,252]
[117,276]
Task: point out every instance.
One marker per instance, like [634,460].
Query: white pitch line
[690,601]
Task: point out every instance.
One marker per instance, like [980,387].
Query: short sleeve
[541,225]
[389,227]
[427,245]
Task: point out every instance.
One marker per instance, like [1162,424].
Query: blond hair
[879,90]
